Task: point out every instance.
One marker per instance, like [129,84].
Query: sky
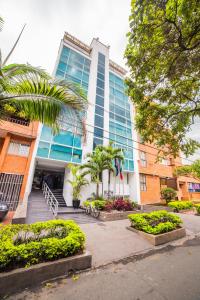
[47,20]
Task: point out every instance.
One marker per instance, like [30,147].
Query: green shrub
[180,205]
[99,204]
[155,222]
[197,206]
[23,245]
[86,203]
[168,194]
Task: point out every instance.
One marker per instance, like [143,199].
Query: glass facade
[120,126]
[74,67]
[99,105]
[66,146]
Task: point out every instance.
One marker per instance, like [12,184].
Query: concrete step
[70,210]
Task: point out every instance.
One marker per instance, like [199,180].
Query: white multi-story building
[109,117]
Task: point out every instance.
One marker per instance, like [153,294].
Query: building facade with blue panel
[109,117]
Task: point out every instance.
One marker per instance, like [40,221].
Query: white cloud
[48,19]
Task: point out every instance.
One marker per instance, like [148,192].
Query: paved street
[110,241]
[172,275]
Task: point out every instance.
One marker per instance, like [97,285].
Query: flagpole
[123,187]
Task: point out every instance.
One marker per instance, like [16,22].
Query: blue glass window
[98,132]
[64,138]
[131,165]
[62,66]
[60,74]
[77,155]
[46,134]
[100,76]
[97,142]
[100,100]
[60,152]
[43,149]
[101,58]
[125,166]
[77,141]
[65,51]
[100,83]
[98,121]
[99,110]
[100,91]
[101,69]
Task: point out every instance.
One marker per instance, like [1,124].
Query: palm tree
[112,153]
[31,92]
[77,183]
[97,162]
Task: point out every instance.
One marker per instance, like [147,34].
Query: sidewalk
[111,241]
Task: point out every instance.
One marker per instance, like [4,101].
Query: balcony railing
[18,121]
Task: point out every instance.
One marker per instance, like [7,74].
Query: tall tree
[191,170]
[30,92]
[163,54]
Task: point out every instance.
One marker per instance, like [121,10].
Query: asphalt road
[169,275]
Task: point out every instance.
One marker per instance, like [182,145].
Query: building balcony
[19,127]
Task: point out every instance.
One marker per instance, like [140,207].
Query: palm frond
[1,23]
[13,48]
[14,70]
[41,99]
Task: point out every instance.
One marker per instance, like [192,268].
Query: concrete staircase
[59,197]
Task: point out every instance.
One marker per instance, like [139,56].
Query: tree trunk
[109,173]
[97,191]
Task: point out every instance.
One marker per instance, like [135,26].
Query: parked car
[3,207]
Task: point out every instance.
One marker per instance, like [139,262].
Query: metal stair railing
[50,198]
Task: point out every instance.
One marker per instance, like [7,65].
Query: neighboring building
[154,176]
[17,141]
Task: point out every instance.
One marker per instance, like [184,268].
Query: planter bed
[158,227]
[15,280]
[154,207]
[186,211]
[162,238]
[115,215]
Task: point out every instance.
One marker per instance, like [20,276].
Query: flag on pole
[118,168]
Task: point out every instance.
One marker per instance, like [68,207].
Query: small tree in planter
[77,183]
[168,194]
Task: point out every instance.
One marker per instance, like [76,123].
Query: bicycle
[92,210]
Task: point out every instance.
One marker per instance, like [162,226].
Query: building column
[67,188]
[4,150]
[26,172]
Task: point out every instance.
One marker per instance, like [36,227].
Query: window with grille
[17,148]
[143,184]
[143,159]
[165,161]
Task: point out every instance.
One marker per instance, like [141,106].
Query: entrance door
[54,179]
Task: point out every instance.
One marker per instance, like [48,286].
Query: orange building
[17,140]
[157,175]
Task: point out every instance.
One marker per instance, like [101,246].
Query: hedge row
[24,245]
[155,222]
[180,205]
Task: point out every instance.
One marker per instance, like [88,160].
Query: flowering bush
[109,206]
[121,204]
